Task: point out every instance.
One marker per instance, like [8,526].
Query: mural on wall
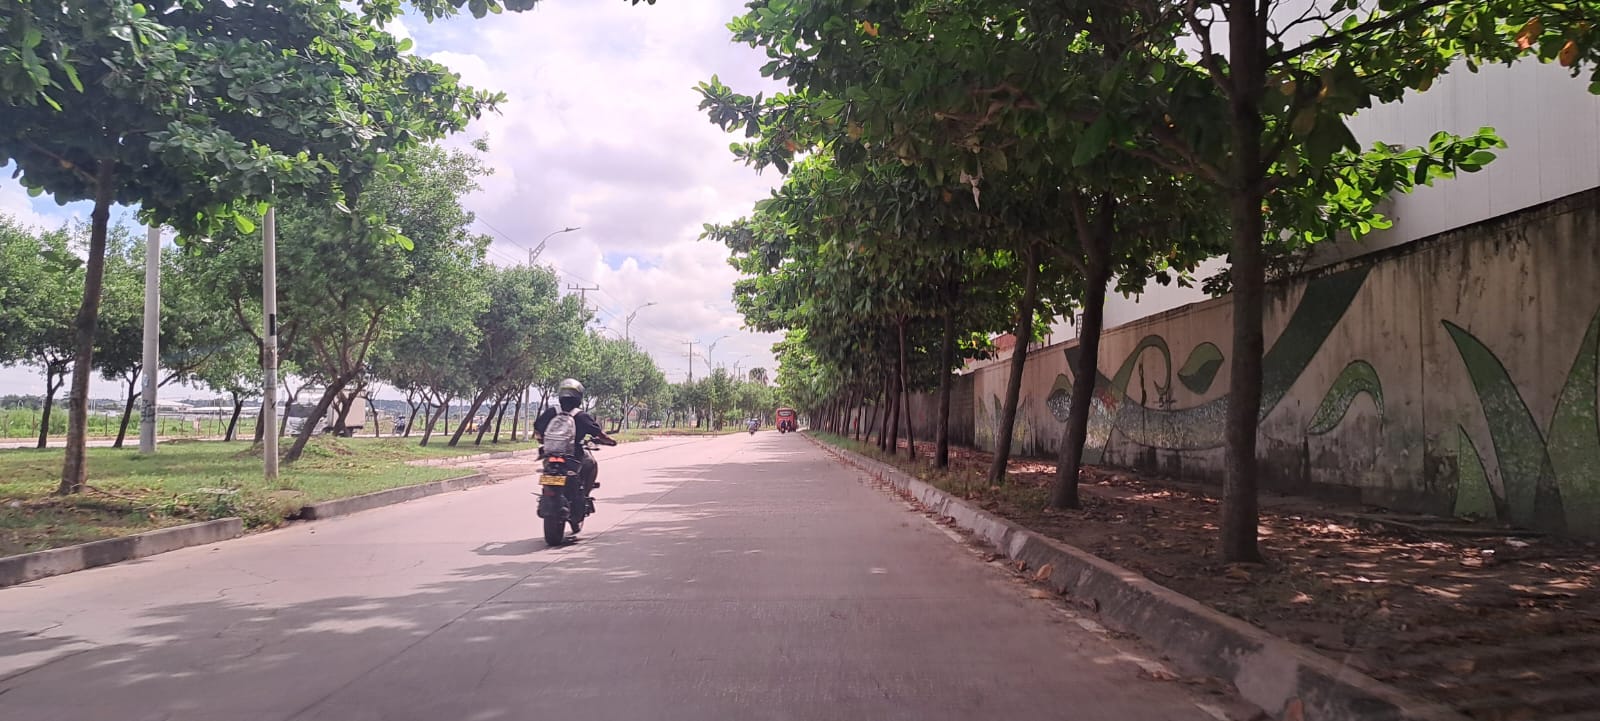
[988,429]
[1548,479]
[1202,427]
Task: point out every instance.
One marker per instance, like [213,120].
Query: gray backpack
[561,436]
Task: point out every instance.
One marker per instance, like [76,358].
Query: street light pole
[269,345]
[533,255]
[712,349]
[151,365]
[627,324]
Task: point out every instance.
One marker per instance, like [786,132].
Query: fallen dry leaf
[1237,573]
[1040,593]
[1044,573]
[1157,675]
[1462,666]
[1020,565]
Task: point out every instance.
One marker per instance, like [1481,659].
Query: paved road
[733,578]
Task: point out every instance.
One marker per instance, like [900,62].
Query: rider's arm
[587,424]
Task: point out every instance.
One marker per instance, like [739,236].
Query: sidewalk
[132,441]
[1498,626]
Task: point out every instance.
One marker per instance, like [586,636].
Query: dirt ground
[1499,625]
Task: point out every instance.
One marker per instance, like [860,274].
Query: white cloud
[15,202]
[600,129]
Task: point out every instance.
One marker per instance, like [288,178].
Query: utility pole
[269,344]
[583,293]
[691,344]
[151,364]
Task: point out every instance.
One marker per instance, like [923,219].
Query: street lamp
[712,349]
[627,324]
[534,254]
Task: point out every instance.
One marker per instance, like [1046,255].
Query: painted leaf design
[1200,370]
[1356,379]
[1475,498]
[1574,445]
[1525,472]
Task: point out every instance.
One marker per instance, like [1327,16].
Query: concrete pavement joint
[1271,673]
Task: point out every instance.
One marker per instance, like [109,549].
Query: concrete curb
[378,499]
[452,460]
[56,561]
[1290,682]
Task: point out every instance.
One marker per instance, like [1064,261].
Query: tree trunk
[311,422]
[472,412]
[127,409]
[1247,77]
[1019,357]
[74,466]
[488,420]
[52,383]
[288,404]
[947,361]
[411,419]
[516,419]
[905,393]
[883,415]
[346,403]
[233,423]
[431,419]
[861,413]
[260,426]
[894,418]
[1076,432]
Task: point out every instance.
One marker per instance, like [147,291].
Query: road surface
[742,577]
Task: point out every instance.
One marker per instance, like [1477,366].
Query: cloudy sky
[600,131]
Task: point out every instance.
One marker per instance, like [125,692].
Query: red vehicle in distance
[787,420]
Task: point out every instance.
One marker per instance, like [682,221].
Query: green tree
[40,281]
[428,355]
[184,109]
[960,91]
[526,325]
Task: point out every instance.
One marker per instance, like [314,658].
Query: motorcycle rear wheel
[555,531]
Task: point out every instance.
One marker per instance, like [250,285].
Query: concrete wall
[1551,125]
[925,414]
[1456,374]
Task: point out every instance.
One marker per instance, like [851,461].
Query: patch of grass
[193,481]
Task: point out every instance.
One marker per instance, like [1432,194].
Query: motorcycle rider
[570,396]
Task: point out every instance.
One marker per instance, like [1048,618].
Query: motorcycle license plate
[548,480]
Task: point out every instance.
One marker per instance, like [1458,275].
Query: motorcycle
[563,494]
[752,429]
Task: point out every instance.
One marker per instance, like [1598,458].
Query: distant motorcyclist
[570,397]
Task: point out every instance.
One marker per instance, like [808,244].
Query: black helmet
[570,388]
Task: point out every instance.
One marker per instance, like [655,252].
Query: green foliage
[40,286]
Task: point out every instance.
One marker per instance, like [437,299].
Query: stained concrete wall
[1455,375]
[924,414]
